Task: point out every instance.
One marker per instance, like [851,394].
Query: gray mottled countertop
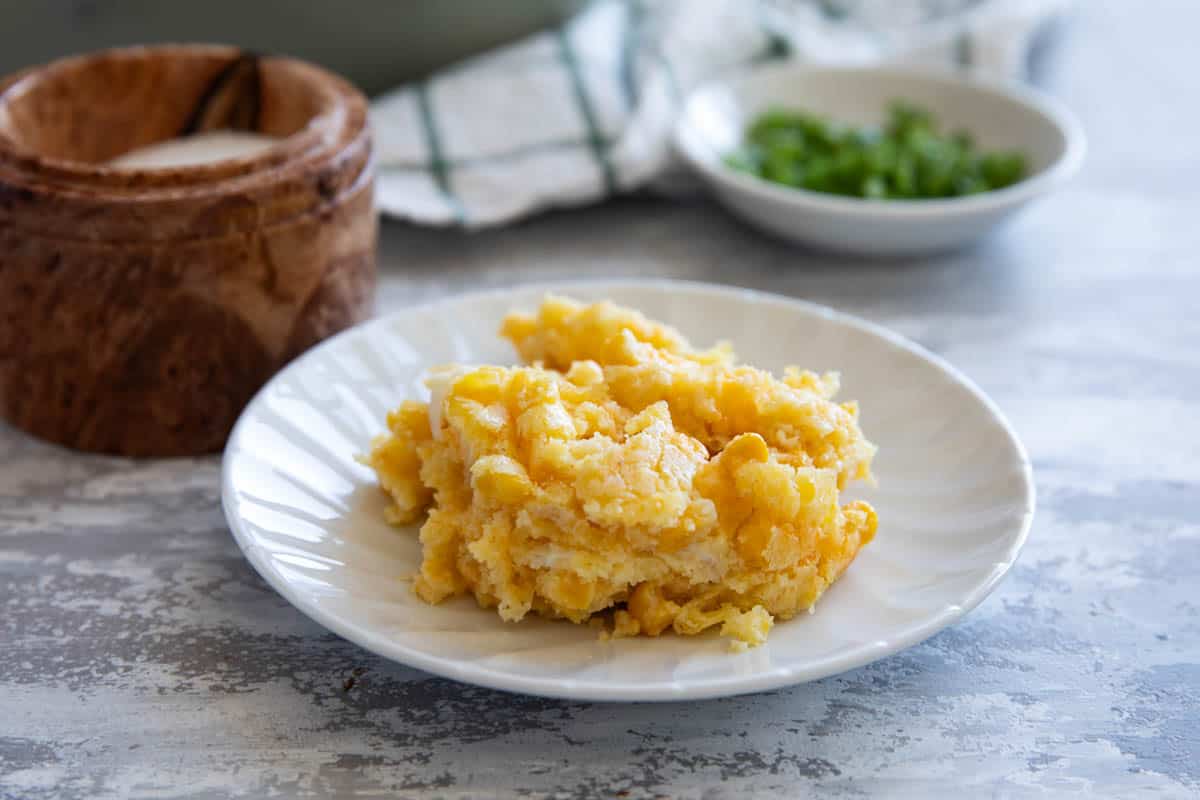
[141,657]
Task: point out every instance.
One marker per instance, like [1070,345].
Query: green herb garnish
[907,159]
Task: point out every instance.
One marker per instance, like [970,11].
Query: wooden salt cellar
[141,309]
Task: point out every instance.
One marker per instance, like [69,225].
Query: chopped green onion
[907,158]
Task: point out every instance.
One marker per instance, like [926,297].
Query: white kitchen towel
[574,114]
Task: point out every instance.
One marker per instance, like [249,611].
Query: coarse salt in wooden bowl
[140,309]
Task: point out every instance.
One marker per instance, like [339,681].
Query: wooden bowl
[140,309]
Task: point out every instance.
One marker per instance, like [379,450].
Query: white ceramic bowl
[955,500]
[999,116]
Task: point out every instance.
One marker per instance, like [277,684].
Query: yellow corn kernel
[500,478]
[653,612]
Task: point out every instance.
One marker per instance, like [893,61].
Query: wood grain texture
[140,310]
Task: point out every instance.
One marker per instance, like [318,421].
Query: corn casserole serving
[624,478]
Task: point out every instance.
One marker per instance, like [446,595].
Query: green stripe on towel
[437,161]
[833,10]
[630,44]
[673,85]
[964,50]
[776,47]
[595,139]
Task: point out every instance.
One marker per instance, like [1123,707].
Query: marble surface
[141,657]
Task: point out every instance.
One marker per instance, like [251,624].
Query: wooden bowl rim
[343,111]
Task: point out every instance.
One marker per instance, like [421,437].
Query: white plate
[955,500]
[999,116]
